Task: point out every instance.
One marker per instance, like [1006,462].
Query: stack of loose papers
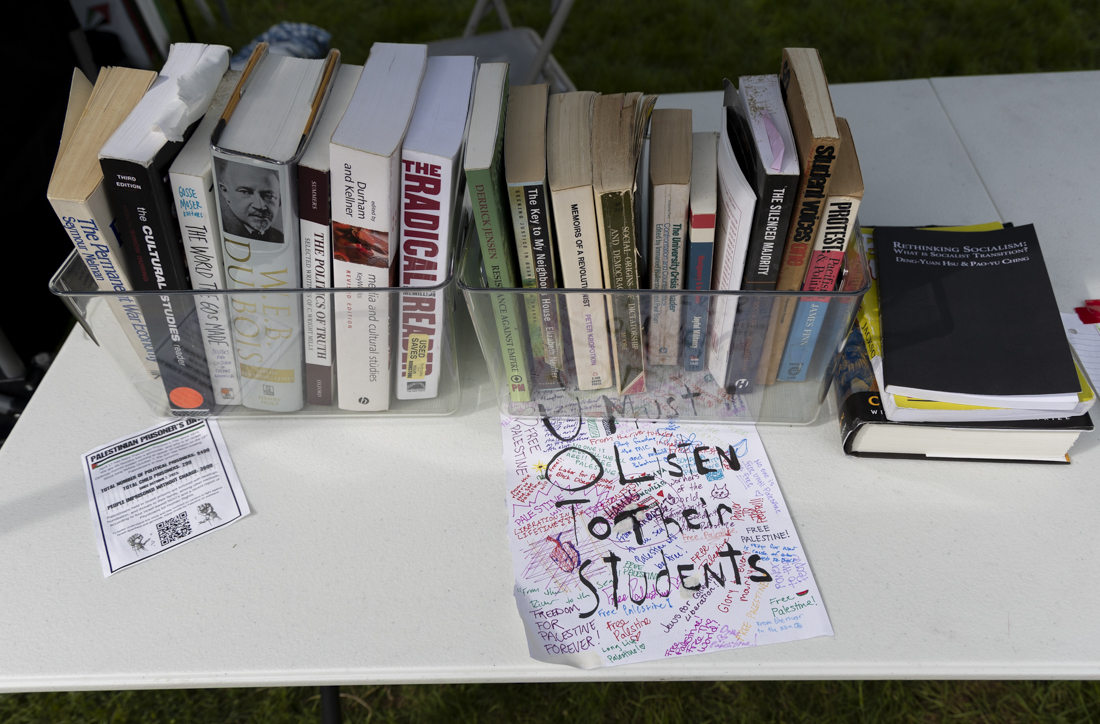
[634,541]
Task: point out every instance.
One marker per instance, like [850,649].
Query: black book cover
[774,205]
[970,313]
[150,239]
[542,249]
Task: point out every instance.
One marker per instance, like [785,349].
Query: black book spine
[542,249]
[774,206]
[151,244]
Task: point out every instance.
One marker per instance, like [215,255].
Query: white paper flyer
[160,488]
[634,541]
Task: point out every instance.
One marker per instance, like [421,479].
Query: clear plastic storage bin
[98,312]
[670,391]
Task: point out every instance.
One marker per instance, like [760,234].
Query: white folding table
[377,549]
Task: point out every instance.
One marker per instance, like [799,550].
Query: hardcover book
[314,203]
[79,198]
[366,158]
[817,138]
[484,166]
[700,253]
[525,174]
[618,124]
[135,162]
[256,147]
[569,170]
[432,186]
[972,319]
[192,179]
[670,157]
[865,430]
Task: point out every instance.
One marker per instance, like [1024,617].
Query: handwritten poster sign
[634,541]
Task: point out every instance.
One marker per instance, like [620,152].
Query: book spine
[542,253]
[485,194]
[833,234]
[316,238]
[151,244]
[615,213]
[91,227]
[578,250]
[428,216]
[805,327]
[267,332]
[666,263]
[195,204]
[365,232]
[700,262]
[813,186]
[747,344]
[823,271]
[517,207]
[769,232]
[736,206]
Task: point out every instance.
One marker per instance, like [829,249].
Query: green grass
[690,45]
[661,46]
[644,703]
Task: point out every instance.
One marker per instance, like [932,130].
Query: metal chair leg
[330,705]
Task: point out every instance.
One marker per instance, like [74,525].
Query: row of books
[960,351]
[291,173]
[767,203]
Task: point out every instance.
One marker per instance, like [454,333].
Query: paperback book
[618,125]
[135,162]
[817,140]
[944,337]
[365,154]
[670,157]
[525,174]
[79,197]
[432,186]
[569,171]
[484,167]
[256,147]
[700,254]
[314,208]
[192,179]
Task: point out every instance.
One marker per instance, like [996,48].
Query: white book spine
[428,212]
[736,203]
[579,250]
[90,225]
[267,332]
[669,233]
[365,209]
[316,274]
[195,204]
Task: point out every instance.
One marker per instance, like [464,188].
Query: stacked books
[960,351]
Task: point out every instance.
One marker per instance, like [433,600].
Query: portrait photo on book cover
[251,199]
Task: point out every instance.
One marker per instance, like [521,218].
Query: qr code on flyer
[173,529]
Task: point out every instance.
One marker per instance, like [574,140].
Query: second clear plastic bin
[791,394]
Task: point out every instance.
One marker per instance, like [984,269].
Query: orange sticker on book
[416,366]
